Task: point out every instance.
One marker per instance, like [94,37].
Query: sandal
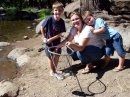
[118,69]
[85,71]
[88,68]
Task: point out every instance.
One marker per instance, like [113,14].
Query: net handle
[72,51]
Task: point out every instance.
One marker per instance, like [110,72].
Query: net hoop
[72,51]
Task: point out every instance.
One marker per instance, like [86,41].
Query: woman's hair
[78,14]
[57,4]
[87,13]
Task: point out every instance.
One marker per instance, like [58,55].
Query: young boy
[113,38]
[51,30]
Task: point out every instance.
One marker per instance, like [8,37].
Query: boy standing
[51,30]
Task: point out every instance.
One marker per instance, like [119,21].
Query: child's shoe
[59,76]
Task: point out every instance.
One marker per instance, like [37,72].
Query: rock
[15,53]
[38,27]
[4,44]
[122,6]
[19,55]
[26,37]
[127,48]
[1,49]
[29,27]
[22,60]
[71,7]
[8,88]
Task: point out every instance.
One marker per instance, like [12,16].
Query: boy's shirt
[109,31]
[53,27]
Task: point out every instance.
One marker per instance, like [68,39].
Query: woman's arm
[68,38]
[80,46]
[82,39]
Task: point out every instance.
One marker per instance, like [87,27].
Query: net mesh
[65,59]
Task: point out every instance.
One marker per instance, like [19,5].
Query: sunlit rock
[4,44]
[8,88]
[19,55]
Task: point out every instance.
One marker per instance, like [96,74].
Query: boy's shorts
[115,44]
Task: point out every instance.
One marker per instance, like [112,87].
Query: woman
[87,46]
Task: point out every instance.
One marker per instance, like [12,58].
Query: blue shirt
[109,31]
[53,27]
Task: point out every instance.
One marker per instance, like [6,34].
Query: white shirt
[86,33]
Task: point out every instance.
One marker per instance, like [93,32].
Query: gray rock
[19,55]
[38,27]
[8,88]
[4,44]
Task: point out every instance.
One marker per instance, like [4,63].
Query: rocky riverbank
[33,80]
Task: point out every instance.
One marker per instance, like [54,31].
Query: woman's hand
[68,43]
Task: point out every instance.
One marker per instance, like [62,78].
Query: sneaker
[67,73]
[59,71]
[59,76]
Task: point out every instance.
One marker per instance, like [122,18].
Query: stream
[11,31]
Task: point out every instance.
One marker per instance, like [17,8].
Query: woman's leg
[89,55]
[88,68]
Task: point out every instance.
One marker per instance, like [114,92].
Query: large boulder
[19,55]
[38,27]
[121,6]
[71,7]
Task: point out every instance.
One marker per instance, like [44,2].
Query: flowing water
[11,31]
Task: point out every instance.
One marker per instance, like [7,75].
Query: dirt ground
[34,80]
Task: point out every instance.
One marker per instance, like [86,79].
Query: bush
[11,11]
[30,9]
[43,13]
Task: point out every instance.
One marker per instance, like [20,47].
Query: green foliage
[11,11]
[30,9]
[43,13]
